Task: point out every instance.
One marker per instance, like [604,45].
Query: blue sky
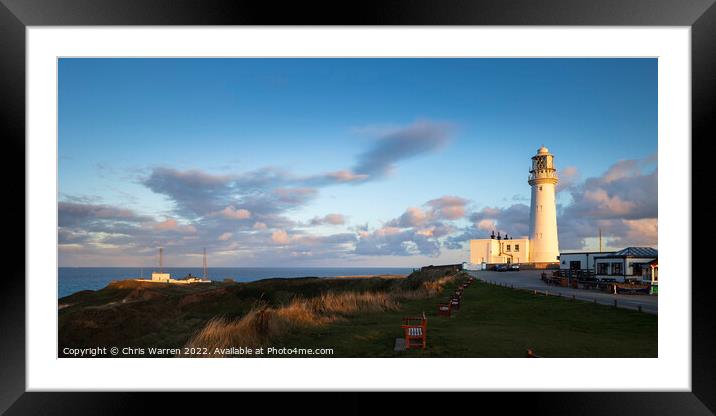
[145,136]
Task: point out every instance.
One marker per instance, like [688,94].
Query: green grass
[494,322]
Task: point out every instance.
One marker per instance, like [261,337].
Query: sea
[75,279]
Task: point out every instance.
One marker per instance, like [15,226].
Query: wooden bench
[415,330]
[444,309]
[455,302]
[531,354]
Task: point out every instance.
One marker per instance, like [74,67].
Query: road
[530,279]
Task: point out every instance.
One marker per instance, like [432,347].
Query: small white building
[161,277]
[627,264]
[583,260]
[500,251]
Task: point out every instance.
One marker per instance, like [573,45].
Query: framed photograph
[423,203]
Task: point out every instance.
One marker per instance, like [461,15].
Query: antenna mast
[205,273]
[161,254]
[600,240]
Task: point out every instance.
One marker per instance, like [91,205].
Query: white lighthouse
[540,248]
[544,245]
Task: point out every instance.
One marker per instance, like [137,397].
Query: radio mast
[205,272]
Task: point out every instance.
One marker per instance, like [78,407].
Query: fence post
[574,297]
[535,291]
[639,308]
[615,303]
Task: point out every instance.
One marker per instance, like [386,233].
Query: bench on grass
[455,302]
[415,330]
[531,354]
[444,309]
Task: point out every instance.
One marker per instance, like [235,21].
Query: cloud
[173,225]
[332,219]
[393,146]
[448,207]
[412,217]
[392,241]
[194,193]
[212,210]
[513,219]
[345,176]
[567,178]
[72,213]
[418,138]
[622,192]
[623,202]
[417,231]
[294,196]
[280,237]
[235,214]
[486,225]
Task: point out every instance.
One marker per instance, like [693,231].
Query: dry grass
[263,324]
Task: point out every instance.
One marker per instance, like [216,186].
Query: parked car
[501,267]
[514,267]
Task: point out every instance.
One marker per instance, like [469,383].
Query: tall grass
[263,323]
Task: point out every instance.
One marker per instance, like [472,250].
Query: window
[517,247]
[637,269]
[602,268]
[616,268]
[540,187]
[508,247]
[575,265]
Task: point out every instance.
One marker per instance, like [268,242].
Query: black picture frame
[16,15]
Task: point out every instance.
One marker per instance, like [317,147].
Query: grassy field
[354,317]
[494,322]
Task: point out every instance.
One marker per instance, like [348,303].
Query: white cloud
[235,214]
[280,237]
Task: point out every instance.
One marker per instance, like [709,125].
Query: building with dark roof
[583,260]
[627,264]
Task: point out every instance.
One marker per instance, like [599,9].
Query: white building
[630,263]
[161,277]
[499,250]
[580,261]
[541,247]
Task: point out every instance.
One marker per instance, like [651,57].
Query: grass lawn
[493,321]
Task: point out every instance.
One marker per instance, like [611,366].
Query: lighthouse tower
[544,246]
